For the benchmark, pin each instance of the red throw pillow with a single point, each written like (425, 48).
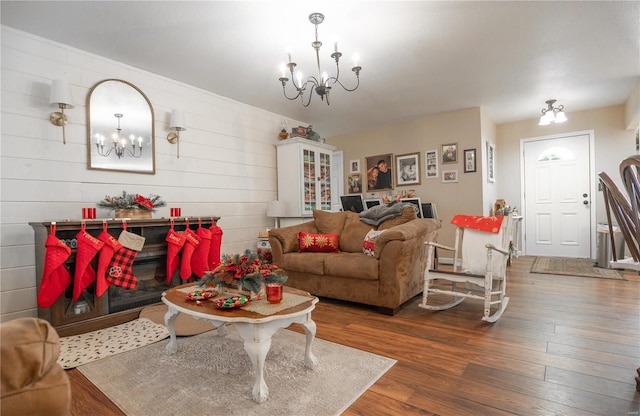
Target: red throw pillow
(318, 243)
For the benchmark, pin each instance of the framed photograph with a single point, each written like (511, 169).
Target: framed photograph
(416, 202)
(431, 163)
(449, 153)
(450, 176)
(469, 160)
(408, 169)
(354, 166)
(355, 183)
(372, 202)
(491, 162)
(379, 172)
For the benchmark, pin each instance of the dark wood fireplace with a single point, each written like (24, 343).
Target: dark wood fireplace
(117, 305)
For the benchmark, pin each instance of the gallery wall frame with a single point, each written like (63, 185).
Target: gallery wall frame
(379, 172)
(354, 166)
(450, 176)
(491, 162)
(355, 183)
(408, 169)
(431, 163)
(469, 160)
(449, 153)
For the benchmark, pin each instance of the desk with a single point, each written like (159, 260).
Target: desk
(255, 329)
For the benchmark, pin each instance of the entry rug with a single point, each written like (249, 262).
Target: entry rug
(211, 375)
(573, 267)
(85, 348)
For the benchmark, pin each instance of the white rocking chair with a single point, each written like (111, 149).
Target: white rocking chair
(482, 273)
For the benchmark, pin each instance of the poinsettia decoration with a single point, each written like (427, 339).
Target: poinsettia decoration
(248, 271)
(132, 201)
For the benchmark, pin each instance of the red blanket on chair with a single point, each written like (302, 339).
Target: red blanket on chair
(477, 222)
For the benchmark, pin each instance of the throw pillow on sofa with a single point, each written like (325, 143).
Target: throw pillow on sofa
(369, 243)
(318, 243)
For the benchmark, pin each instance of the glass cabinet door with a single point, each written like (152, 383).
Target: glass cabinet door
(324, 181)
(309, 180)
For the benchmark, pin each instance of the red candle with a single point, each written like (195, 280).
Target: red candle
(176, 212)
(274, 292)
(86, 213)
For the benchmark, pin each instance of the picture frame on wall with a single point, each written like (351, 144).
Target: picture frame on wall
(355, 183)
(379, 172)
(469, 160)
(491, 162)
(449, 153)
(354, 166)
(408, 169)
(431, 163)
(450, 176)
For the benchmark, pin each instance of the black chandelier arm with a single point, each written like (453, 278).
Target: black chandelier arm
(120, 151)
(349, 89)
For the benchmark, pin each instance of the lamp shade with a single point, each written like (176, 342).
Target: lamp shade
(177, 120)
(276, 209)
(561, 117)
(61, 94)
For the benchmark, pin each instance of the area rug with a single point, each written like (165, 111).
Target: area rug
(76, 350)
(573, 267)
(210, 375)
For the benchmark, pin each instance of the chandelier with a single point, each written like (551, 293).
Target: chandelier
(552, 114)
(120, 144)
(322, 83)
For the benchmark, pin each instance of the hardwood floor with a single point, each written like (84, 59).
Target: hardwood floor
(565, 346)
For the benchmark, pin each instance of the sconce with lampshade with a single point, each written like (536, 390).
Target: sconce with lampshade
(178, 124)
(60, 97)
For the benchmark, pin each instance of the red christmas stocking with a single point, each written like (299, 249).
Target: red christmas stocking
(191, 242)
(55, 277)
(200, 258)
(175, 242)
(111, 245)
(120, 269)
(214, 250)
(88, 247)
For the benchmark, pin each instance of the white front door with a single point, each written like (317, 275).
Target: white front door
(557, 196)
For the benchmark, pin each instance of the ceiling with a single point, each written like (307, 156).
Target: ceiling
(418, 57)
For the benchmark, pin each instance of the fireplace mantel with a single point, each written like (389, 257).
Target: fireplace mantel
(117, 305)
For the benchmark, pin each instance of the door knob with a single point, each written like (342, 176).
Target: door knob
(585, 202)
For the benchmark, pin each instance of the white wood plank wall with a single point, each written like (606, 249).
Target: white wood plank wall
(227, 164)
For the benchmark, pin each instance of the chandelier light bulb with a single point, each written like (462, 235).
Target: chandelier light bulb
(552, 114)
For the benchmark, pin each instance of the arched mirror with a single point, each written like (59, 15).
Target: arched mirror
(120, 128)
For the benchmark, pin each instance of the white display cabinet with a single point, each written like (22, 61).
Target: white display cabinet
(304, 176)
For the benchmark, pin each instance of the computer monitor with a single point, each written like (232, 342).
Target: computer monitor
(429, 210)
(352, 203)
(416, 202)
(372, 202)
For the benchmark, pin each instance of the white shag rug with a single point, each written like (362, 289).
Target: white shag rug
(80, 349)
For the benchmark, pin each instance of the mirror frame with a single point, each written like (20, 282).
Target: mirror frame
(114, 166)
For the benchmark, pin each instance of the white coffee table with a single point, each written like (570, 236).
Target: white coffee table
(255, 329)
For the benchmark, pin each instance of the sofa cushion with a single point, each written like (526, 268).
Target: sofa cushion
(329, 222)
(408, 214)
(312, 263)
(288, 236)
(351, 265)
(353, 233)
(318, 243)
(369, 242)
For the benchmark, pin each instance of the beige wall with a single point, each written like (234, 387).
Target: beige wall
(612, 144)
(472, 128)
(418, 135)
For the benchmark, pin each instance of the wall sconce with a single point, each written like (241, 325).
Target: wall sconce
(177, 123)
(60, 97)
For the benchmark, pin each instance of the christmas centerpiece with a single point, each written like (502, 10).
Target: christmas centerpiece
(248, 271)
(129, 205)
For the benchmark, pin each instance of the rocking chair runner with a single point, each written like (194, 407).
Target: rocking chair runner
(482, 274)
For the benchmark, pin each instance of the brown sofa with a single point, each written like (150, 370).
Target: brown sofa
(32, 382)
(386, 280)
